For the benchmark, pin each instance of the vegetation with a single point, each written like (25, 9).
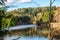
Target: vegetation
(38, 16)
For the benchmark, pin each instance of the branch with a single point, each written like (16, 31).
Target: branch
(53, 2)
(36, 3)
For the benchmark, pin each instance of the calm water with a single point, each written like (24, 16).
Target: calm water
(24, 38)
(7, 37)
(33, 38)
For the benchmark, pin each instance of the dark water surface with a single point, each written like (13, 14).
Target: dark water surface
(24, 38)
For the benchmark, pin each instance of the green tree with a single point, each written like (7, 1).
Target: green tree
(2, 2)
(2, 10)
(45, 16)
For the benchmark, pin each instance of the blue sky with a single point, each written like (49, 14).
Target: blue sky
(29, 3)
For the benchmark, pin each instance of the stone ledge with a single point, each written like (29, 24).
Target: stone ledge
(55, 25)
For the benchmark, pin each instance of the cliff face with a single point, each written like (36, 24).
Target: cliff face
(55, 25)
(56, 18)
(57, 15)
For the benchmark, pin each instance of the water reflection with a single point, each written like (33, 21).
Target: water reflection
(24, 38)
(33, 38)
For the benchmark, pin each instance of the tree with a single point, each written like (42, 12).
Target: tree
(2, 10)
(25, 19)
(2, 2)
(49, 35)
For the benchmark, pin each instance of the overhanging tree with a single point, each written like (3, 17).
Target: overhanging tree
(2, 10)
(51, 2)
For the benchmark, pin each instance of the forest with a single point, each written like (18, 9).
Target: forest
(25, 16)
(38, 16)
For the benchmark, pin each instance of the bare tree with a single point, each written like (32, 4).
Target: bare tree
(49, 35)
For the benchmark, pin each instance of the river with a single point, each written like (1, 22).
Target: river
(13, 37)
(24, 38)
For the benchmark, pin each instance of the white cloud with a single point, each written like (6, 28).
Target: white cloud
(10, 1)
(25, 1)
(15, 2)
